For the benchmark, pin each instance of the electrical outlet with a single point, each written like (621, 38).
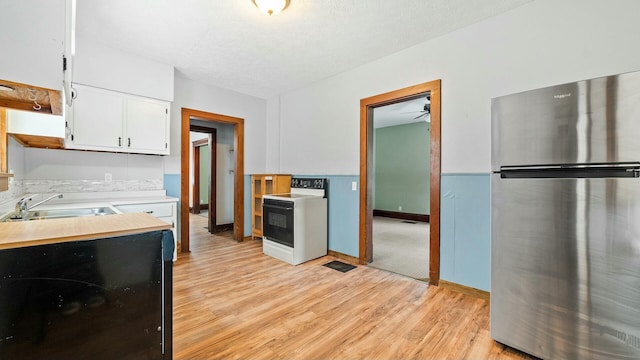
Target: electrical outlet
(354, 186)
(108, 177)
(399, 207)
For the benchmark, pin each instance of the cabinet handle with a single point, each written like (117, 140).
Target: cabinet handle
(129, 142)
(149, 212)
(119, 141)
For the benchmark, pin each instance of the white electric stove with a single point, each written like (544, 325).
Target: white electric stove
(294, 225)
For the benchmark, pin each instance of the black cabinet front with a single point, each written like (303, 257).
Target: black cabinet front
(98, 299)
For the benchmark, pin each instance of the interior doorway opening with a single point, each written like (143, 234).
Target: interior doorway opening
(400, 183)
(202, 199)
(367, 107)
(237, 170)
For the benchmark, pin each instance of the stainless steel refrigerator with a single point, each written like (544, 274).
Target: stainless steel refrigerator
(565, 221)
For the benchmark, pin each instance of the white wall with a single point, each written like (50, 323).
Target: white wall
(32, 37)
(542, 43)
(44, 164)
(105, 67)
(225, 155)
(194, 95)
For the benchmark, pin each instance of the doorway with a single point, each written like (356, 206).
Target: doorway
(238, 171)
(367, 107)
(203, 174)
(400, 185)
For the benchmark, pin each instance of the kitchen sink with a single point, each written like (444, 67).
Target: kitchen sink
(63, 213)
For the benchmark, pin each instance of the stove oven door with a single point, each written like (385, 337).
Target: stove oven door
(277, 223)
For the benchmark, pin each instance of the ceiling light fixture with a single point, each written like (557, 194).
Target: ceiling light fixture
(271, 7)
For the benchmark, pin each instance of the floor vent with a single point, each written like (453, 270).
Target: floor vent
(340, 266)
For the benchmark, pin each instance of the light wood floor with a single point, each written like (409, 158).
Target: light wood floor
(233, 302)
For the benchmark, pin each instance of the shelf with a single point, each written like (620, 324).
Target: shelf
(264, 184)
(45, 142)
(47, 101)
(4, 181)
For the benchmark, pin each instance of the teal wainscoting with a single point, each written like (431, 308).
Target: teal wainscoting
(465, 230)
(172, 185)
(343, 211)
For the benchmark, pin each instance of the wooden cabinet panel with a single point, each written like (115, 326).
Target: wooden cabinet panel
(264, 184)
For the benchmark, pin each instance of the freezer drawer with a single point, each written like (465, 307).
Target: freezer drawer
(565, 267)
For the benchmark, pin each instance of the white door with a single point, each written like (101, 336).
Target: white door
(147, 124)
(97, 119)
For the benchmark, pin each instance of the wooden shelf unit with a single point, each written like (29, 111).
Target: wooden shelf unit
(263, 184)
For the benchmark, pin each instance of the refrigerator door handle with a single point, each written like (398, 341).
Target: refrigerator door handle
(572, 173)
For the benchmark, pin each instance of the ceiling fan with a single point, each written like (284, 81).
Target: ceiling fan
(426, 110)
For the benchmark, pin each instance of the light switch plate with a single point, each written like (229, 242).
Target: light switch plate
(108, 177)
(354, 185)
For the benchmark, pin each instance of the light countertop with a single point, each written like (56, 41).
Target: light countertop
(40, 232)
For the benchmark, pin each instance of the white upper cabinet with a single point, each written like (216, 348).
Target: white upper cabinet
(147, 125)
(97, 120)
(32, 34)
(107, 120)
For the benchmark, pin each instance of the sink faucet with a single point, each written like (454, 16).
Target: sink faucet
(22, 205)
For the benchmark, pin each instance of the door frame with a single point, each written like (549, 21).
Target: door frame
(366, 170)
(238, 172)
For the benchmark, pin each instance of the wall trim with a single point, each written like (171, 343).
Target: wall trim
(401, 215)
(467, 290)
(221, 228)
(348, 258)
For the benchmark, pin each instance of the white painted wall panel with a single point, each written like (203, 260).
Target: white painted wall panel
(194, 95)
(542, 43)
(44, 164)
(109, 68)
(32, 34)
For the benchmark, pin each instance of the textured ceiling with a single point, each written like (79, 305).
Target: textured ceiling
(231, 44)
(400, 113)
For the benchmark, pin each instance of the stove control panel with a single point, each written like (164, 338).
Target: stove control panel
(309, 183)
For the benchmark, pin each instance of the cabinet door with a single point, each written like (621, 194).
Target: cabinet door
(97, 120)
(147, 125)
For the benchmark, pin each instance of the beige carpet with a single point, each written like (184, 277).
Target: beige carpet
(401, 247)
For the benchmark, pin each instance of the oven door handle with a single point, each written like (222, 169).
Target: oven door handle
(277, 207)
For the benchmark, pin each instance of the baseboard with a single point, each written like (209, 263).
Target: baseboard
(401, 215)
(348, 258)
(467, 290)
(223, 227)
